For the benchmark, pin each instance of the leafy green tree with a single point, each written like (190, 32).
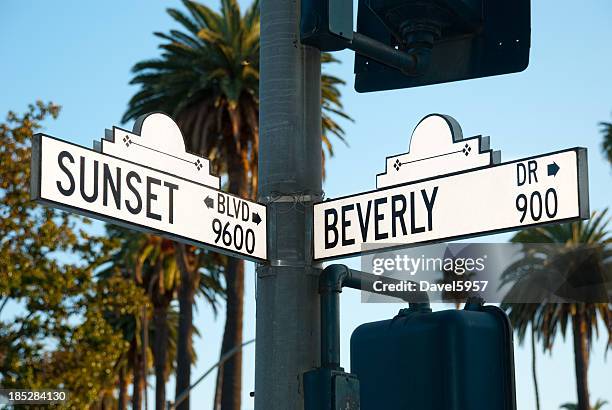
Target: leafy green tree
(584, 252)
(58, 336)
(207, 78)
(606, 144)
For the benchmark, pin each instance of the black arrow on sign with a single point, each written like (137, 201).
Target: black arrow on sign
(210, 203)
(553, 169)
(256, 218)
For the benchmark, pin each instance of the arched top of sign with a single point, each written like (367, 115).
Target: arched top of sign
(156, 141)
(437, 147)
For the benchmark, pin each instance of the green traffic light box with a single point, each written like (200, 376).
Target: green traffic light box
(445, 360)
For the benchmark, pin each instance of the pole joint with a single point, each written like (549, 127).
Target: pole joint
(412, 62)
(333, 278)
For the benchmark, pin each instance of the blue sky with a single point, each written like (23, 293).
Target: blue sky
(79, 54)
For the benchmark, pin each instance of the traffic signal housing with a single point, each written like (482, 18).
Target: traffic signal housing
(446, 360)
(468, 39)
(411, 43)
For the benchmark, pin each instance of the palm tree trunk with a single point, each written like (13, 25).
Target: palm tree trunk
(533, 368)
(217, 402)
(581, 357)
(123, 386)
(184, 358)
(137, 379)
(231, 378)
(144, 364)
(230, 374)
(160, 349)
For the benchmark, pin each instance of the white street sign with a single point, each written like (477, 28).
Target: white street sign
(145, 180)
(447, 187)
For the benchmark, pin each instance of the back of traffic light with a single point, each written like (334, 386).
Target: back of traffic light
(419, 360)
(445, 360)
(411, 43)
(329, 387)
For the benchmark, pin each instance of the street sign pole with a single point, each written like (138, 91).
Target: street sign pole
(287, 320)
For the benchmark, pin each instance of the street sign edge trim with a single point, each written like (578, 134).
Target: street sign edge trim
(575, 149)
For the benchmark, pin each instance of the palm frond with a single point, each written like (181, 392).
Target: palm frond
(569, 248)
(606, 144)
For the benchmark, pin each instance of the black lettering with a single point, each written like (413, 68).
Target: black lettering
(331, 227)
(93, 196)
(171, 187)
(364, 222)
(429, 203)
(115, 188)
(245, 211)
(378, 217)
(229, 209)
(550, 210)
(221, 203)
(236, 207)
(413, 227)
(152, 197)
(398, 214)
(60, 161)
(345, 224)
(521, 174)
(532, 166)
(128, 180)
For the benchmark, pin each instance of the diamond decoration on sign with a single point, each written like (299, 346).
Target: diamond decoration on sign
(397, 165)
(466, 150)
(198, 164)
(127, 140)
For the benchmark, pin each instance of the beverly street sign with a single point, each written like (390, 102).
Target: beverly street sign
(145, 180)
(447, 187)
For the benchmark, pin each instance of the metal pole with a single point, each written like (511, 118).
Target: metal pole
(330, 329)
(287, 322)
(332, 280)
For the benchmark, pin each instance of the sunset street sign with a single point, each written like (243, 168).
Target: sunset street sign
(447, 187)
(145, 180)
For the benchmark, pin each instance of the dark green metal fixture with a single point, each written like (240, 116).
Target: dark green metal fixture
(410, 43)
(419, 360)
(445, 360)
(329, 387)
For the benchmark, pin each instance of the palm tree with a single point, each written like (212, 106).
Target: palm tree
(122, 266)
(523, 317)
(583, 251)
(148, 261)
(452, 275)
(597, 406)
(534, 368)
(155, 269)
(606, 144)
(161, 279)
(207, 78)
(200, 273)
(125, 364)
